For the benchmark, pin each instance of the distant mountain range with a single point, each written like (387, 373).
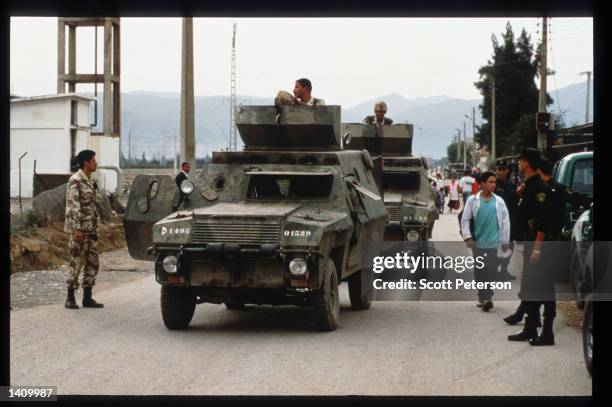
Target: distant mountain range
(150, 120)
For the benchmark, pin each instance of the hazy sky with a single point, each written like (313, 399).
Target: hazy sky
(349, 60)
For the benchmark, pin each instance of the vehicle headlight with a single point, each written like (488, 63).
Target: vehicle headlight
(298, 267)
(412, 235)
(170, 264)
(187, 187)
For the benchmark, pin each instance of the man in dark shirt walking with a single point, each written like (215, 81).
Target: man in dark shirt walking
(181, 176)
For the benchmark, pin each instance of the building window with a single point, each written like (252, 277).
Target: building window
(73, 112)
(73, 134)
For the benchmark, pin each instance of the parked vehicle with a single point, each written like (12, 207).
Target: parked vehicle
(587, 336)
(575, 171)
(581, 264)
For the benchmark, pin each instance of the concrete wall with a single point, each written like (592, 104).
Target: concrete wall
(107, 153)
(38, 128)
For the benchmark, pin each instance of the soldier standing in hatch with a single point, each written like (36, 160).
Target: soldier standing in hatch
(380, 109)
(507, 191)
(302, 92)
(82, 224)
(537, 287)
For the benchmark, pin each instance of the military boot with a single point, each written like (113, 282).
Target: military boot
(70, 301)
(89, 302)
(517, 316)
(529, 331)
(547, 337)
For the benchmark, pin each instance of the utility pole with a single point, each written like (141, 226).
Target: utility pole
(174, 150)
(187, 100)
(130, 147)
(588, 95)
(493, 118)
(543, 72)
(474, 136)
(233, 145)
(464, 146)
(458, 145)
(162, 135)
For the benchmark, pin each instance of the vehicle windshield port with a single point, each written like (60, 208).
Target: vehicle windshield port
(290, 187)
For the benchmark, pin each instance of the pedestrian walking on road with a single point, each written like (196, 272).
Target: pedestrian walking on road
(453, 194)
(82, 224)
(466, 183)
(489, 236)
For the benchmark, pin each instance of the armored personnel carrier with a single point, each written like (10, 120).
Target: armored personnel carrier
(407, 193)
(282, 222)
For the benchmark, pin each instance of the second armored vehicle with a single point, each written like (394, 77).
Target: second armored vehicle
(407, 193)
(283, 222)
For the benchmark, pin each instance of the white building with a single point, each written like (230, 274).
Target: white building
(51, 129)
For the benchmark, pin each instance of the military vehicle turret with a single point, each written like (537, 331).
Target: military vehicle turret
(407, 193)
(282, 222)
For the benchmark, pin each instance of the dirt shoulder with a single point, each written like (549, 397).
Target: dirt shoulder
(46, 247)
(41, 287)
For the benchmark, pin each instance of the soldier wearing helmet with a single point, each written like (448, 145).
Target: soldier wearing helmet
(380, 109)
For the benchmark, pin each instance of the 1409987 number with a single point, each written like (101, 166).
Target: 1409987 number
(30, 392)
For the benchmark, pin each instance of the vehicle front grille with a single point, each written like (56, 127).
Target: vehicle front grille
(394, 213)
(236, 231)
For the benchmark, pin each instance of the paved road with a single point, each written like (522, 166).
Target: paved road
(395, 348)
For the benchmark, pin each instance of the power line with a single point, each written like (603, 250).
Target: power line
(232, 132)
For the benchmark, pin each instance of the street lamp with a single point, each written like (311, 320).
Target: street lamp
(473, 120)
(459, 147)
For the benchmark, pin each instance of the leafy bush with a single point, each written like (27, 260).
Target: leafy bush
(32, 218)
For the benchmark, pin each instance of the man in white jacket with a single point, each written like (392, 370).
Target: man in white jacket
(466, 182)
(485, 227)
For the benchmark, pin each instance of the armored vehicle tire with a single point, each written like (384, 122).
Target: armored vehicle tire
(325, 301)
(234, 305)
(177, 306)
(360, 291)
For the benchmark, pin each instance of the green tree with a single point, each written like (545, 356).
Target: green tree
(452, 154)
(513, 69)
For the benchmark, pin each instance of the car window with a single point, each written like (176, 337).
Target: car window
(555, 172)
(582, 180)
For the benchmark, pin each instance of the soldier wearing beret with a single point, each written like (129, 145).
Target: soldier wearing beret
(82, 224)
(506, 189)
(535, 226)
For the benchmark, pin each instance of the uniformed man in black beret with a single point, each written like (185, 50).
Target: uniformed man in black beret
(507, 191)
(535, 226)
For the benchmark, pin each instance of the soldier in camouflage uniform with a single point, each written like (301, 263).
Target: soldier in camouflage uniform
(82, 225)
